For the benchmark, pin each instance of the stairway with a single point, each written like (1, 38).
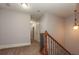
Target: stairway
(49, 46)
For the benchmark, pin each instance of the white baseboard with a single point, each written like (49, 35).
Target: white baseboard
(14, 45)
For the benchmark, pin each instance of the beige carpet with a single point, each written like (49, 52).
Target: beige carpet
(33, 49)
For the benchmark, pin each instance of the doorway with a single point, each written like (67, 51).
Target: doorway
(34, 31)
(32, 34)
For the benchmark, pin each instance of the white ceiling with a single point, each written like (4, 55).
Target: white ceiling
(59, 9)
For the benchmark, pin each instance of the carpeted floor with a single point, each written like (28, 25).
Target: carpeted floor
(33, 49)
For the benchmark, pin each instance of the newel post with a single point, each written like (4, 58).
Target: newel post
(45, 45)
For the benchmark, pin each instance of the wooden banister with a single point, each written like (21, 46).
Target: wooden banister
(58, 43)
(45, 43)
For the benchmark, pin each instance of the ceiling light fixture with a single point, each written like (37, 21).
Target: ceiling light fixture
(25, 5)
(76, 26)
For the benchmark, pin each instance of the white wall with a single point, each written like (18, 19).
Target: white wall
(71, 36)
(14, 28)
(54, 25)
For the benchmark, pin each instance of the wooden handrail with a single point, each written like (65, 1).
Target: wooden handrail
(47, 34)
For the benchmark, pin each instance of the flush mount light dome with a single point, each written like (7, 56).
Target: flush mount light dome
(25, 5)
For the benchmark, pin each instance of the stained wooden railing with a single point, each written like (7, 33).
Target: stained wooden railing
(52, 47)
